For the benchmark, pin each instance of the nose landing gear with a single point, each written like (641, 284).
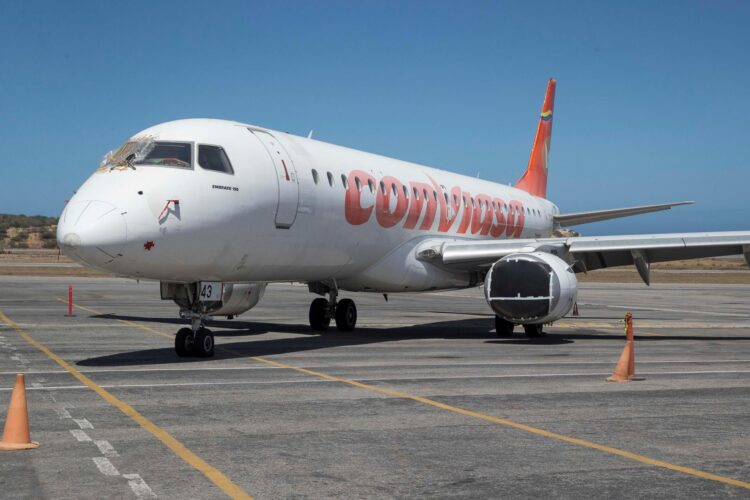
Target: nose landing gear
(197, 341)
(323, 310)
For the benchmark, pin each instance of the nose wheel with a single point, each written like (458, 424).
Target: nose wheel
(199, 344)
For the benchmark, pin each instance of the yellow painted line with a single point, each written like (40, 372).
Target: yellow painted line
(506, 422)
(469, 413)
(214, 475)
(123, 321)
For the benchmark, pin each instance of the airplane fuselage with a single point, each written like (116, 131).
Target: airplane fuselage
(293, 209)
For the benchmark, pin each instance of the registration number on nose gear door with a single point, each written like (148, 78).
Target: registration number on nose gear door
(210, 291)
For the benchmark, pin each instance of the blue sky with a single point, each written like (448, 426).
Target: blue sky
(652, 97)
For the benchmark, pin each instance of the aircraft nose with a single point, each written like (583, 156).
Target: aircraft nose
(92, 231)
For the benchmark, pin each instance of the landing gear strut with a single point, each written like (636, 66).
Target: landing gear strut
(503, 327)
(533, 330)
(323, 310)
(196, 341)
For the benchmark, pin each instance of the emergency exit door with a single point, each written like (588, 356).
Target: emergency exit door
(286, 177)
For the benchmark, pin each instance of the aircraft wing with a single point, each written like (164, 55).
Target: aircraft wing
(573, 219)
(587, 253)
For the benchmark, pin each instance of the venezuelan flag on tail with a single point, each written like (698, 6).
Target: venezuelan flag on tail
(534, 180)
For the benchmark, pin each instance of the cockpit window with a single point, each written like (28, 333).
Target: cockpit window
(214, 158)
(172, 154)
(146, 151)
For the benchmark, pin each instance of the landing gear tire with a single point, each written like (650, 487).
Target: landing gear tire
(183, 342)
(203, 346)
(503, 327)
(533, 330)
(346, 315)
(319, 317)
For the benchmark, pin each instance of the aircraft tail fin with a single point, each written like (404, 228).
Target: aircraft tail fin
(534, 180)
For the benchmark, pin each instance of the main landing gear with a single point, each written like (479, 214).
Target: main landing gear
(504, 328)
(322, 310)
(197, 341)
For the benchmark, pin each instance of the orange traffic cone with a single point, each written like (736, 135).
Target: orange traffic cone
(625, 368)
(16, 434)
(575, 309)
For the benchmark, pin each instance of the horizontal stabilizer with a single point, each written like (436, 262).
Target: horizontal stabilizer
(574, 219)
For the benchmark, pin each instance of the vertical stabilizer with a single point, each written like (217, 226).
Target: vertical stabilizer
(534, 180)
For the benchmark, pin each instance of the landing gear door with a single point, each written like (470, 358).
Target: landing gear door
(286, 177)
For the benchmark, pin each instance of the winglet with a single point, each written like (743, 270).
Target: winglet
(534, 180)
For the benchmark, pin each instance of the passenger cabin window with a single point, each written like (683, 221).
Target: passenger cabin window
(168, 154)
(330, 179)
(315, 176)
(214, 158)
(344, 182)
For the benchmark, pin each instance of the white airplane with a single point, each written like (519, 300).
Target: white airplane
(216, 209)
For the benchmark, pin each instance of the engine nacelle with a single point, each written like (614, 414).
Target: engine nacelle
(238, 298)
(531, 288)
(235, 299)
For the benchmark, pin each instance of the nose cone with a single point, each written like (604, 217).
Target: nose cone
(92, 231)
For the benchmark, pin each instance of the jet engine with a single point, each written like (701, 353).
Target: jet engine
(531, 288)
(236, 298)
(239, 297)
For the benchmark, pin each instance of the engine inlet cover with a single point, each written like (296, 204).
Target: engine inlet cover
(531, 288)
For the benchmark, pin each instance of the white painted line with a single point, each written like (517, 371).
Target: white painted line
(661, 309)
(409, 364)
(139, 486)
(76, 326)
(80, 435)
(62, 413)
(83, 423)
(105, 466)
(406, 376)
(106, 448)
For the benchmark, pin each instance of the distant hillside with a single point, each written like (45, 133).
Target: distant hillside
(27, 231)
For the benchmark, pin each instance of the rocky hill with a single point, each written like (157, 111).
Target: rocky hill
(27, 231)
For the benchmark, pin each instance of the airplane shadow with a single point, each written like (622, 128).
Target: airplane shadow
(307, 340)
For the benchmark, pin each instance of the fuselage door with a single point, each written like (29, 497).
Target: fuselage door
(286, 178)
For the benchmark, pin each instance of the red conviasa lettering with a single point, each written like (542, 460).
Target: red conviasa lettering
(420, 196)
(354, 212)
(516, 220)
(390, 186)
(498, 229)
(465, 198)
(481, 219)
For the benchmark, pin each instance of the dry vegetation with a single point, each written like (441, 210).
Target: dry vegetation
(24, 231)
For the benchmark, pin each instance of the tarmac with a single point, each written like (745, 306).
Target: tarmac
(421, 401)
